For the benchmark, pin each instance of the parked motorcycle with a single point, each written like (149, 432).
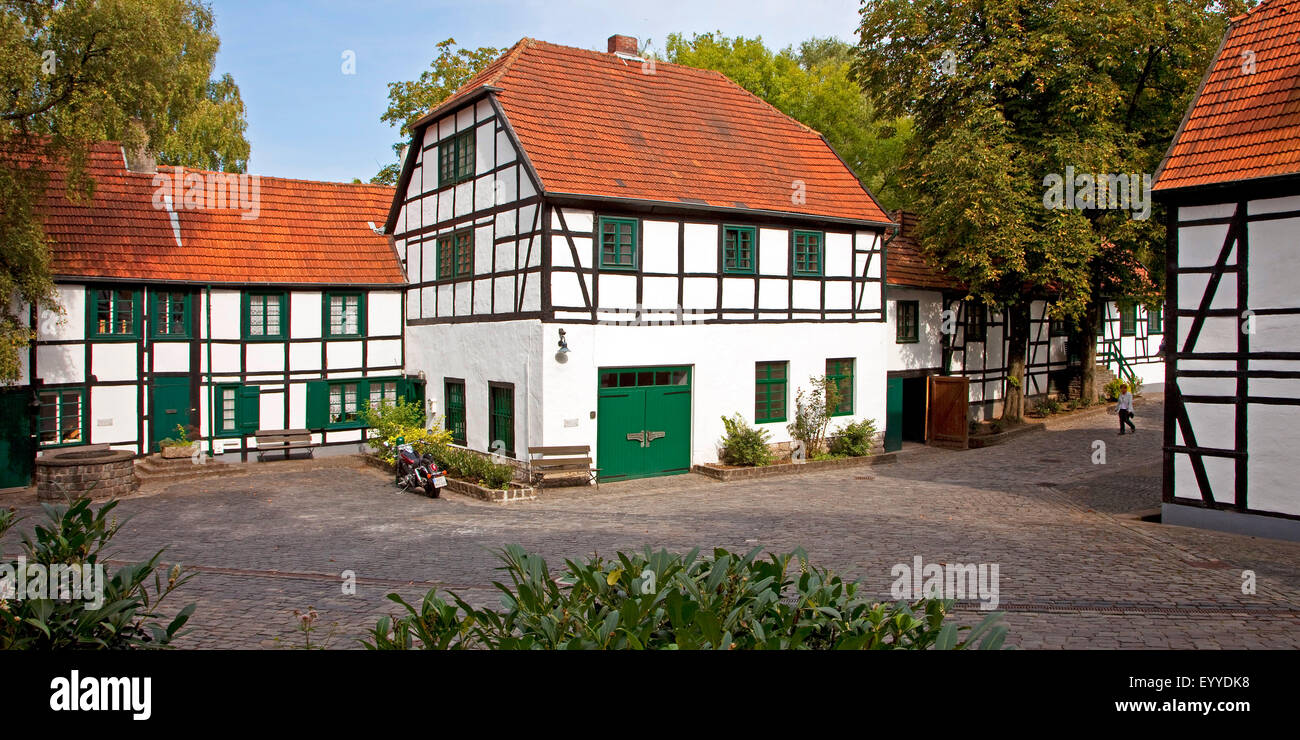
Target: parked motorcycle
(416, 472)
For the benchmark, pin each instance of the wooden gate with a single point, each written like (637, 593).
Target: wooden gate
(949, 408)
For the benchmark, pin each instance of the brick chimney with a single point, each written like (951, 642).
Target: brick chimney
(622, 45)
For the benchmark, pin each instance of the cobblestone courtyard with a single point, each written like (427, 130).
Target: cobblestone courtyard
(1078, 568)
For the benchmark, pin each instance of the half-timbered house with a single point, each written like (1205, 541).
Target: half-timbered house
(219, 302)
(615, 252)
(1231, 185)
(936, 331)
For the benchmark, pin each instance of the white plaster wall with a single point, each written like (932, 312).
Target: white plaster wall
(479, 353)
(68, 325)
(225, 315)
(305, 314)
(304, 356)
(60, 363)
(113, 413)
(384, 353)
(265, 357)
(112, 361)
(928, 351)
(170, 357)
(343, 355)
(722, 379)
(1271, 475)
(384, 313)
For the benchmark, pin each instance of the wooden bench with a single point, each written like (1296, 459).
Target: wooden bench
(544, 461)
(274, 440)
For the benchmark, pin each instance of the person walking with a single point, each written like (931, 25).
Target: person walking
(1125, 408)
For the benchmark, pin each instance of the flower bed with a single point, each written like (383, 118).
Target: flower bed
(730, 472)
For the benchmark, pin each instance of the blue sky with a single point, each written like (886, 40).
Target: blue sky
(306, 119)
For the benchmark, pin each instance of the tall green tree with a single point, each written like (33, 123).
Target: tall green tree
(813, 85)
(1005, 94)
(81, 71)
(409, 100)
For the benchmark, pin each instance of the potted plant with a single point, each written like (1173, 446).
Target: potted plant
(182, 445)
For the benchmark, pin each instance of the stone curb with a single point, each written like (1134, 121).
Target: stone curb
(812, 466)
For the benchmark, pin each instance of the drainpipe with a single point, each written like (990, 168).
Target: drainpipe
(207, 315)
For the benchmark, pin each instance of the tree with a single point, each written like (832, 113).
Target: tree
(1005, 95)
(813, 86)
(81, 71)
(407, 101)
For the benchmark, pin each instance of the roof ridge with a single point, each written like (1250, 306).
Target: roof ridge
(1251, 11)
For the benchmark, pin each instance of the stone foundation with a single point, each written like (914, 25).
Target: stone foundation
(77, 472)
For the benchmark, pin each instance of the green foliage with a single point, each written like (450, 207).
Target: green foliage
(812, 414)
(409, 100)
(854, 439)
(472, 467)
(1112, 389)
(129, 614)
(813, 86)
(661, 600)
(743, 444)
(1031, 88)
(402, 419)
(81, 71)
(1048, 405)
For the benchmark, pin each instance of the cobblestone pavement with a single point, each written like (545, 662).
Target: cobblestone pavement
(1078, 567)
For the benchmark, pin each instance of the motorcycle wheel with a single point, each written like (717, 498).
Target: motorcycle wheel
(431, 489)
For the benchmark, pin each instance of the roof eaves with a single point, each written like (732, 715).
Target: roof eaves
(680, 205)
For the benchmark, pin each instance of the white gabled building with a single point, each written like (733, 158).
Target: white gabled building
(220, 302)
(696, 252)
(1231, 186)
(922, 301)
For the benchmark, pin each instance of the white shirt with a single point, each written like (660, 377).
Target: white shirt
(1126, 402)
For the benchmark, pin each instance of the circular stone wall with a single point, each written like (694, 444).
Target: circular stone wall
(74, 473)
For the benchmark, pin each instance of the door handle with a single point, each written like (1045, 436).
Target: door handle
(644, 437)
(636, 437)
(652, 436)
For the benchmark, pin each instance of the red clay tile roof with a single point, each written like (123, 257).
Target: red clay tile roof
(306, 233)
(904, 264)
(595, 124)
(1244, 125)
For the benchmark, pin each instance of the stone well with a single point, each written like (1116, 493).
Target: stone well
(76, 472)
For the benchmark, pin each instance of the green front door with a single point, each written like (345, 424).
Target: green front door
(16, 453)
(169, 405)
(643, 425)
(893, 414)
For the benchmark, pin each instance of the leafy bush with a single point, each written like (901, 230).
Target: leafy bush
(1112, 388)
(743, 444)
(470, 466)
(127, 617)
(403, 419)
(661, 600)
(855, 439)
(812, 414)
(1048, 406)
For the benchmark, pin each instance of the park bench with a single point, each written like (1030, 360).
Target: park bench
(274, 440)
(544, 461)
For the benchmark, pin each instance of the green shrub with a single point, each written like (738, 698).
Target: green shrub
(470, 466)
(1048, 406)
(128, 616)
(812, 414)
(855, 439)
(660, 600)
(1112, 388)
(743, 444)
(401, 420)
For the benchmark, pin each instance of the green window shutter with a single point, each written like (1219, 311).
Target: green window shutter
(318, 404)
(738, 249)
(454, 414)
(840, 372)
(619, 242)
(807, 253)
(249, 408)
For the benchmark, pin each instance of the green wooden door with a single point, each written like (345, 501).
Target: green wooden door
(643, 422)
(169, 406)
(893, 414)
(16, 453)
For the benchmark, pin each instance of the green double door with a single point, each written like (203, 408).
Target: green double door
(643, 422)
